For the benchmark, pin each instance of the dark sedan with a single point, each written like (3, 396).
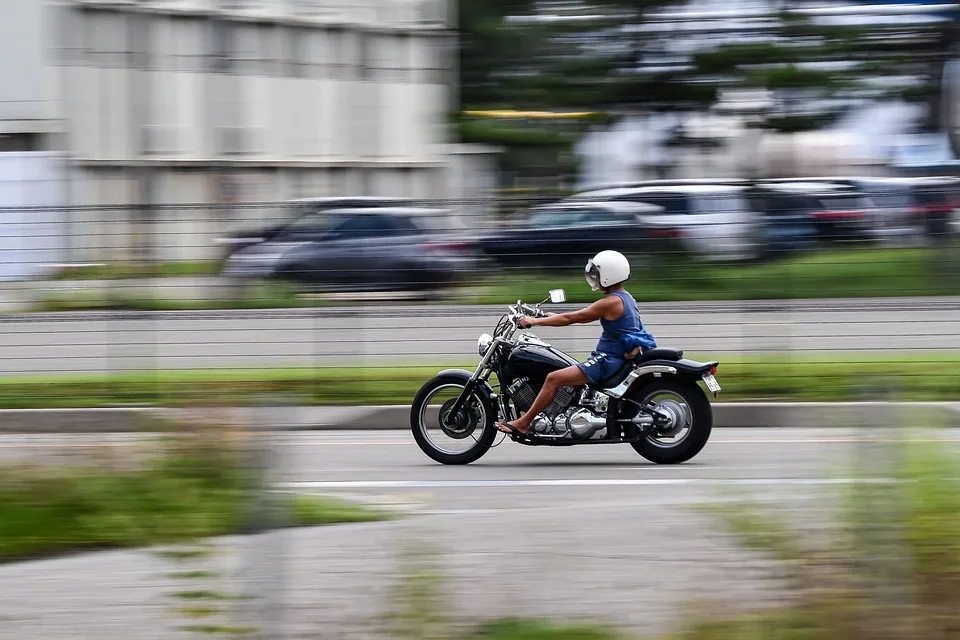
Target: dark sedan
(372, 250)
(302, 213)
(798, 213)
(563, 234)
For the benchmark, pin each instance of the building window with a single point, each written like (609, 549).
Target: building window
(188, 44)
(397, 64)
(71, 45)
(19, 142)
(297, 58)
(254, 51)
(222, 46)
(344, 53)
(366, 60)
(106, 38)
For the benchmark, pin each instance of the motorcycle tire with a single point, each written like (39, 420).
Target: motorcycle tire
(700, 427)
(483, 442)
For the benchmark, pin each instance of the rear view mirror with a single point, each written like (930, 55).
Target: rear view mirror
(557, 296)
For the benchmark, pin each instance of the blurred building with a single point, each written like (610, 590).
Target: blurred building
(188, 101)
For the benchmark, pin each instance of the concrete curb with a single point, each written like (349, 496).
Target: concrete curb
(397, 417)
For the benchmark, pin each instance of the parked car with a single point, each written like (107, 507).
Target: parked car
(905, 207)
(363, 249)
(567, 233)
(712, 219)
(302, 212)
(799, 211)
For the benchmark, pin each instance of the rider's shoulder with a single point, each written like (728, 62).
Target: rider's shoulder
(613, 303)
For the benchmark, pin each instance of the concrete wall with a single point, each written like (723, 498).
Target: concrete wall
(31, 240)
(27, 81)
(284, 92)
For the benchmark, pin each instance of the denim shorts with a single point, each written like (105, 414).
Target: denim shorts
(600, 366)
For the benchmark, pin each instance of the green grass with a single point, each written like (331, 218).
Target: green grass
(120, 271)
(192, 487)
(192, 575)
(835, 273)
(887, 567)
(530, 629)
(219, 629)
(854, 273)
(882, 561)
(828, 377)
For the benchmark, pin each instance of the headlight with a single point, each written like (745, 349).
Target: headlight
(484, 342)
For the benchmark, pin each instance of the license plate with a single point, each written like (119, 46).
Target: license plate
(712, 383)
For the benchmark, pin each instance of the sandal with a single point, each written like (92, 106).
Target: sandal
(506, 427)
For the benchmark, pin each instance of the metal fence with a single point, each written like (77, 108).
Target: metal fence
(371, 287)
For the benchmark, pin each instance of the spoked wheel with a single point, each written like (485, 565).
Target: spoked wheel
(688, 425)
(452, 439)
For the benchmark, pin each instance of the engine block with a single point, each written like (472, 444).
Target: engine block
(523, 394)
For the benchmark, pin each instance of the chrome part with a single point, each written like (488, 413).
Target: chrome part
(484, 342)
(584, 423)
(542, 424)
(595, 399)
(619, 390)
(531, 338)
(464, 423)
(680, 418)
(642, 420)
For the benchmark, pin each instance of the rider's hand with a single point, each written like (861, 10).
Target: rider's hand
(633, 354)
(526, 322)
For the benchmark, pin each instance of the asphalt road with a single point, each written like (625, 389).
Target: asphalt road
(589, 533)
(388, 335)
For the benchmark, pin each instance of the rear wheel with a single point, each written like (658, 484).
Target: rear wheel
(467, 436)
(691, 421)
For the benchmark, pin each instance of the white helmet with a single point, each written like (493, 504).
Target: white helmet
(607, 269)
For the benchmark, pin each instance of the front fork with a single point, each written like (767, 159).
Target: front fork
(471, 385)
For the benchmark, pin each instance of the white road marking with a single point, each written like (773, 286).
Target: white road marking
(584, 482)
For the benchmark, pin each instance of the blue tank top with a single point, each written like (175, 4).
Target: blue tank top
(611, 340)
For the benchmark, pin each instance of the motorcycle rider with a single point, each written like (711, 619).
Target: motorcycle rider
(623, 337)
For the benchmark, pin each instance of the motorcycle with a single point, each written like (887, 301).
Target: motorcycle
(654, 402)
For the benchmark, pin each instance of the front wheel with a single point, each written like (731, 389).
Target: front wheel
(691, 420)
(468, 435)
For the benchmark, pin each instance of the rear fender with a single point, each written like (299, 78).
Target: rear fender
(683, 368)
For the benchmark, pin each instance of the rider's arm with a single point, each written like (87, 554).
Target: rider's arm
(594, 312)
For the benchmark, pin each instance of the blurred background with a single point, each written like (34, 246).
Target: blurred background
(258, 226)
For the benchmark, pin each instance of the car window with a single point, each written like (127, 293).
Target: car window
(673, 204)
(405, 225)
(368, 226)
(932, 196)
(786, 204)
(887, 198)
(555, 218)
(718, 203)
(309, 220)
(605, 217)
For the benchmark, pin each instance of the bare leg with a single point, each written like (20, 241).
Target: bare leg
(572, 376)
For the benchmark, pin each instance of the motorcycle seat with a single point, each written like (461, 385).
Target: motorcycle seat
(653, 354)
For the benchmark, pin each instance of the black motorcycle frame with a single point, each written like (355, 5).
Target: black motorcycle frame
(618, 430)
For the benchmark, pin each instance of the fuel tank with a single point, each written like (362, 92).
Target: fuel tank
(534, 362)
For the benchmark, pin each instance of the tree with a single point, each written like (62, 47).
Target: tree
(623, 56)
